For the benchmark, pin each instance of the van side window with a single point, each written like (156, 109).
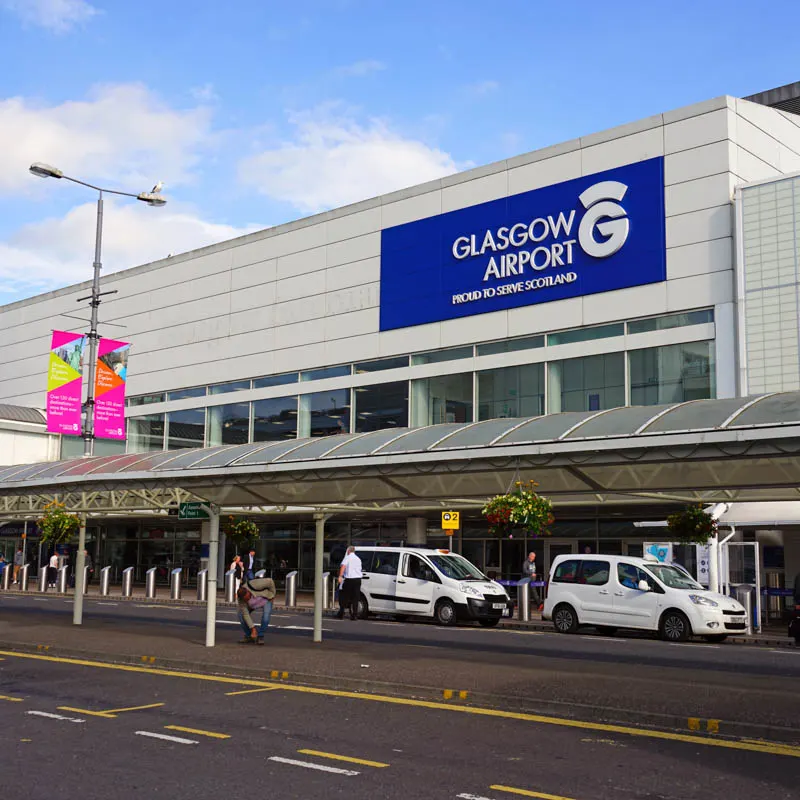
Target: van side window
(367, 557)
(594, 573)
(415, 567)
(629, 576)
(385, 563)
(566, 571)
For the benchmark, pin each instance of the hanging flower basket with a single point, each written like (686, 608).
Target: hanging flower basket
(521, 509)
(57, 525)
(243, 531)
(691, 525)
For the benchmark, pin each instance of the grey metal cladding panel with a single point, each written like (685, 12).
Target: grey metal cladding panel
(149, 463)
(697, 415)
(368, 443)
(22, 414)
(481, 434)
(190, 457)
(545, 429)
(619, 422)
(779, 408)
(223, 456)
(269, 454)
(316, 448)
(420, 439)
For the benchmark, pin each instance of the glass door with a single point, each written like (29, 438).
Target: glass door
(555, 548)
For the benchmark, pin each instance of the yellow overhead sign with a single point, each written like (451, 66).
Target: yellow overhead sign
(451, 520)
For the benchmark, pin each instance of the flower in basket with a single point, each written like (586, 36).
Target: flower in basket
(521, 508)
(692, 525)
(57, 525)
(243, 531)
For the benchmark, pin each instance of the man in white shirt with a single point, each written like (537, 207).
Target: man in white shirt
(350, 583)
(53, 574)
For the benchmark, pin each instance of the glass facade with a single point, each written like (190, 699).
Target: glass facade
(437, 356)
(510, 346)
(275, 419)
(324, 413)
(146, 434)
(275, 380)
(587, 334)
(511, 392)
(382, 364)
(671, 321)
(186, 428)
(672, 374)
(447, 398)
(590, 383)
(229, 424)
(182, 394)
(382, 406)
(234, 386)
(325, 372)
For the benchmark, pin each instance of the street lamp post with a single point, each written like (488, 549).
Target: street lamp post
(152, 199)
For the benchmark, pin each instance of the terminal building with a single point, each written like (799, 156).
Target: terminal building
(655, 263)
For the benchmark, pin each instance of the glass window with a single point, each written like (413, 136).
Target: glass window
(224, 388)
(629, 576)
(511, 392)
(275, 380)
(146, 434)
(671, 321)
(229, 424)
(384, 563)
(186, 428)
(275, 419)
(182, 394)
(381, 406)
(594, 573)
(510, 345)
(672, 374)
(437, 356)
(72, 446)
(415, 567)
(324, 413)
(384, 363)
(447, 398)
(586, 334)
(326, 372)
(145, 399)
(591, 383)
(566, 571)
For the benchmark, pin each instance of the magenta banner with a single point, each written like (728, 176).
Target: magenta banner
(109, 389)
(65, 383)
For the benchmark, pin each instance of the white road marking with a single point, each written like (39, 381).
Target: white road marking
(98, 603)
(787, 652)
(467, 796)
(309, 765)
(176, 739)
(39, 599)
(298, 628)
(54, 716)
(227, 622)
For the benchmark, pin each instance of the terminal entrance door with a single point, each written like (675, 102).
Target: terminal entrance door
(556, 547)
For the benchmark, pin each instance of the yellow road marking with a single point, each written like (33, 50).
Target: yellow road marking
(527, 793)
(336, 757)
(773, 748)
(104, 714)
(10, 699)
(197, 732)
(132, 708)
(250, 691)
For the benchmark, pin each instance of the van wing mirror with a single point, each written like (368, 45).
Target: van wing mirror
(644, 586)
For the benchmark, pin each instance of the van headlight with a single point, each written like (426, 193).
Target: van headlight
(467, 589)
(699, 600)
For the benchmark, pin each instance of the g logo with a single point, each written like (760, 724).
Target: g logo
(597, 200)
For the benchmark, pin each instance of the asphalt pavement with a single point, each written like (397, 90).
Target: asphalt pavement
(87, 731)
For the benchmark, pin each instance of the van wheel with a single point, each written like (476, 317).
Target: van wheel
(674, 627)
(565, 620)
(445, 612)
(363, 608)
(716, 637)
(489, 622)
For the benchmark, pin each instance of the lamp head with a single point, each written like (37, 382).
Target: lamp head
(152, 199)
(44, 170)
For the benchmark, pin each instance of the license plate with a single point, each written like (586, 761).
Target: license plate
(498, 605)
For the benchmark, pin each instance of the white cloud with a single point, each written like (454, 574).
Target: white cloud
(482, 88)
(55, 15)
(57, 252)
(360, 68)
(335, 160)
(205, 93)
(122, 134)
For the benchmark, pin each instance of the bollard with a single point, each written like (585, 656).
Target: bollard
(291, 589)
(7, 573)
(86, 571)
(105, 580)
(230, 586)
(127, 581)
(24, 577)
(44, 578)
(326, 591)
(150, 583)
(262, 573)
(202, 585)
(175, 584)
(523, 601)
(61, 581)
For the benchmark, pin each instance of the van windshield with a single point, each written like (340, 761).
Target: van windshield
(674, 578)
(458, 568)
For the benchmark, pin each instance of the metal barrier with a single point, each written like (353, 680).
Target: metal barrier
(202, 585)
(7, 573)
(61, 581)
(24, 577)
(291, 589)
(86, 576)
(175, 584)
(524, 601)
(230, 586)
(105, 581)
(127, 581)
(150, 583)
(744, 594)
(327, 595)
(44, 578)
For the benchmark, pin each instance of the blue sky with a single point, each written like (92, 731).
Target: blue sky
(254, 112)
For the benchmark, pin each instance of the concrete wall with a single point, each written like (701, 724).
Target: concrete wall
(19, 446)
(306, 294)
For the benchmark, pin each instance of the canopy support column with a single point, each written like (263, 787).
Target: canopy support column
(80, 563)
(319, 550)
(213, 558)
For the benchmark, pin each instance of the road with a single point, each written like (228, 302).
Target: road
(90, 732)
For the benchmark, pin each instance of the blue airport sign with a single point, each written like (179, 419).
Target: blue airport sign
(592, 234)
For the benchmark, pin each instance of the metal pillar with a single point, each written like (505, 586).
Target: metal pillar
(175, 584)
(80, 561)
(150, 583)
(202, 585)
(230, 586)
(44, 578)
(61, 581)
(85, 581)
(7, 573)
(326, 591)
(213, 561)
(24, 577)
(105, 580)
(127, 581)
(319, 588)
(291, 589)
(523, 601)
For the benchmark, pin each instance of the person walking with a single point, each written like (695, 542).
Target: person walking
(350, 575)
(238, 571)
(251, 565)
(52, 575)
(529, 577)
(4, 565)
(258, 593)
(19, 560)
(89, 566)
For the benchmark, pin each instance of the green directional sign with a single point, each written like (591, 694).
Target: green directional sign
(192, 511)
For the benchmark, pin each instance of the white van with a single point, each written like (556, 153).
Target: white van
(610, 592)
(407, 581)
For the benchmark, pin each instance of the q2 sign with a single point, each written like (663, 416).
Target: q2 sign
(588, 235)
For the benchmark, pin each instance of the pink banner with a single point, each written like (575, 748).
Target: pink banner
(65, 383)
(109, 389)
